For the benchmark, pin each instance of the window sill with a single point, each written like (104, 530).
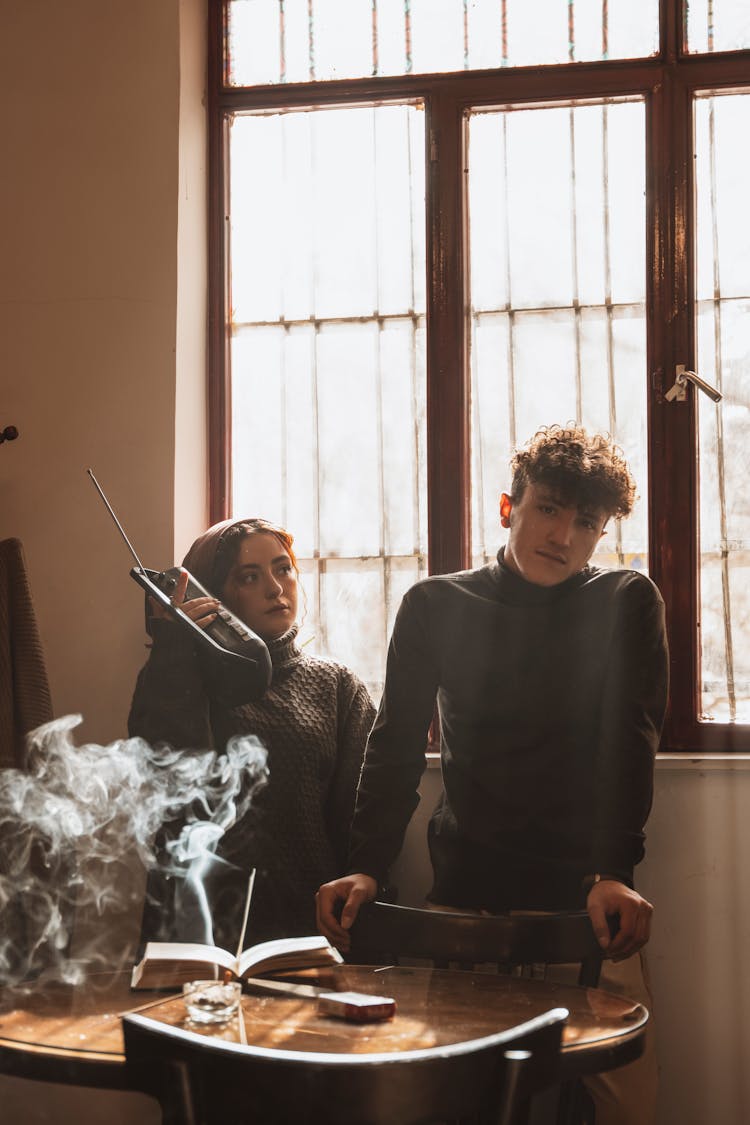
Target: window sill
(668, 761)
(705, 763)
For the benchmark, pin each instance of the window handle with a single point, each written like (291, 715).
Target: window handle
(678, 391)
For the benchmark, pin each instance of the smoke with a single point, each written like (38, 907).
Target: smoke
(78, 828)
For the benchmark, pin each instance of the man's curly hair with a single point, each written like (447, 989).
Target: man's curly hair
(581, 470)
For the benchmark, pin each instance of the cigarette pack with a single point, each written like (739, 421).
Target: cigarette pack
(357, 1007)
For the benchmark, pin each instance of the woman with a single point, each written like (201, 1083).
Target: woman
(313, 722)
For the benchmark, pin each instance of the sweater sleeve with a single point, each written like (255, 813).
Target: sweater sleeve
(395, 756)
(633, 708)
(355, 716)
(169, 703)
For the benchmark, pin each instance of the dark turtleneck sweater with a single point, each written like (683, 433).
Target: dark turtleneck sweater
(313, 722)
(551, 702)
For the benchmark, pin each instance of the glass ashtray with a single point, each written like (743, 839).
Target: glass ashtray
(211, 1001)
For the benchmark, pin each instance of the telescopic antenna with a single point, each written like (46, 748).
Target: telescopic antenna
(114, 517)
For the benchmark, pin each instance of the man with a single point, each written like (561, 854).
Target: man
(550, 677)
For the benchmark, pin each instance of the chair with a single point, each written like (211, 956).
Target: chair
(201, 1080)
(24, 688)
(389, 934)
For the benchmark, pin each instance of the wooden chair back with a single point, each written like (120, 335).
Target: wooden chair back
(389, 934)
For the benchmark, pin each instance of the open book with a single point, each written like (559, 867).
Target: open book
(169, 964)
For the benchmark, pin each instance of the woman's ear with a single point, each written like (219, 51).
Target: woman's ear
(506, 506)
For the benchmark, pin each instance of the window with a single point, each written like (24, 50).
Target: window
(438, 225)
(327, 357)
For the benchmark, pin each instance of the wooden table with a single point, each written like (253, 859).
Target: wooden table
(74, 1034)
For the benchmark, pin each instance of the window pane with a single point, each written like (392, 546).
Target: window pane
(350, 606)
(557, 252)
(718, 25)
(299, 41)
(328, 373)
(334, 225)
(723, 359)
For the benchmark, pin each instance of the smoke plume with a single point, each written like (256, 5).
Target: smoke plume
(77, 829)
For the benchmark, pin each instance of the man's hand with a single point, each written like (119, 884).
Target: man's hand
(353, 891)
(608, 899)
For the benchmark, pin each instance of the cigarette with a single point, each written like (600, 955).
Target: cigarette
(358, 1007)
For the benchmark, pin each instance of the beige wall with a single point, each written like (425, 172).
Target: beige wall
(102, 213)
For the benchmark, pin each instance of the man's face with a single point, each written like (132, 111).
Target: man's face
(548, 543)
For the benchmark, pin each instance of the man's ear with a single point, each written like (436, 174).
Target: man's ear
(506, 507)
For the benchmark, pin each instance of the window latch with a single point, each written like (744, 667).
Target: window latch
(678, 391)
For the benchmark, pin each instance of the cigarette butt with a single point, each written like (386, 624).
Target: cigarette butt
(357, 1007)
(227, 977)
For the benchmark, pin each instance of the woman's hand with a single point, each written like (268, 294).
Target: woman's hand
(200, 610)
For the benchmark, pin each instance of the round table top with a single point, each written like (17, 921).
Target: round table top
(80, 1026)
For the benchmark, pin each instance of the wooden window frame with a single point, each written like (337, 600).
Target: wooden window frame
(667, 83)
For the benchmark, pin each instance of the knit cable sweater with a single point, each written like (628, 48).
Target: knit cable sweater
(313, 721)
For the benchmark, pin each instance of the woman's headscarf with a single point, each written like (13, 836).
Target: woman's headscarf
(201, 557)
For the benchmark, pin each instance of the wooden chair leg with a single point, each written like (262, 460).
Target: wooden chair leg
(176, 1096)
(514, 1104)
(575, 1106)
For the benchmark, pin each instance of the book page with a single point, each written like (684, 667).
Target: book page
(288, 952)
(176, 951)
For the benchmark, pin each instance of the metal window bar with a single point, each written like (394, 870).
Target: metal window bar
(504, 33)
(528, 310)
(226, 47)
(478, 467)
(379, 396)
(605, 29)
(574, 248)
(407, 36)
(284, 452)
(319, 565)
(415, 322)
(417, 549)
(717, 310)
(571, 31)
(282, 42)
(318, 562)
(608, 299)
(282, 388)
(311, 39)
(508, 281)
(466, 34)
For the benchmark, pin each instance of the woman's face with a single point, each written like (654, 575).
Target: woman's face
(261, 587)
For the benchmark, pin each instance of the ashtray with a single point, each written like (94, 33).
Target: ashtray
(211, 1001)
